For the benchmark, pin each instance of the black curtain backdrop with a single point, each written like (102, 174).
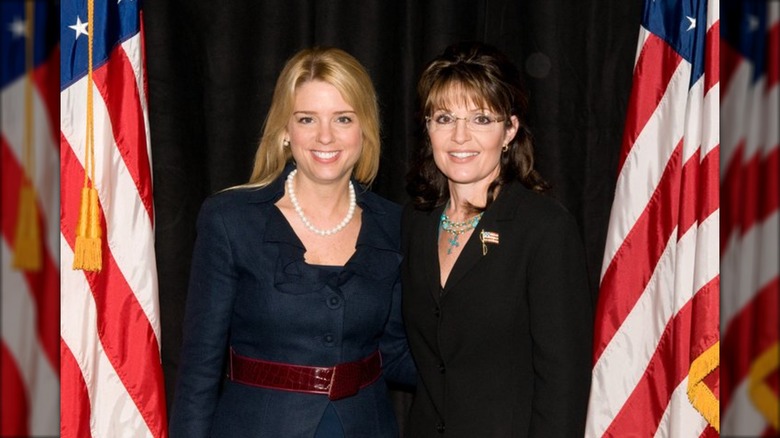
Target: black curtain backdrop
(212, 67)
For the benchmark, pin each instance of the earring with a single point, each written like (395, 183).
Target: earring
(505, 148)
(286, 143)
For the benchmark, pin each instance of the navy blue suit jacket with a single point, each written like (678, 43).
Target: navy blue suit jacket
(251, 290)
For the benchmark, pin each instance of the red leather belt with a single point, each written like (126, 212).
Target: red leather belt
(340, 381)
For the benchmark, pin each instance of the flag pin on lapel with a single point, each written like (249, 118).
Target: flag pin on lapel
(487, 237)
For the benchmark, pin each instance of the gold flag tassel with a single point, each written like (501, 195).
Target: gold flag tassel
(27, 240)
(27, 244)
(88, 253)
(762, 395)
(699, 394)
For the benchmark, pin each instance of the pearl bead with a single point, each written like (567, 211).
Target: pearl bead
(305, 220)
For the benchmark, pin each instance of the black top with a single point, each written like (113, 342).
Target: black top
(504, 348)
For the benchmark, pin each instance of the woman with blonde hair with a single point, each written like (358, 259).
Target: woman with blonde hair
(293, 312)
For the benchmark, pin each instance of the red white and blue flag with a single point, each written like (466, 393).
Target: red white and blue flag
(112, 382)
(656, 344)
(750, 230)
(29, 161)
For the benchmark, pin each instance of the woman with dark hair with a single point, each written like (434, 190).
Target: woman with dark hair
(293, 318)
(496, 304)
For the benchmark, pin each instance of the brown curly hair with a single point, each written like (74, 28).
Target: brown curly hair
(487, 78)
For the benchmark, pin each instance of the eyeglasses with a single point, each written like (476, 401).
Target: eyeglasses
(442, 121)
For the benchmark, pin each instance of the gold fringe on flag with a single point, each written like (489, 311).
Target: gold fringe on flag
(27, 239)
(762, 395)
(699, 393)
(88, 255)
(27, 242)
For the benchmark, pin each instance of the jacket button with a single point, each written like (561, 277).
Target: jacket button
(440, 427)
(437, 312)
(442, 369)
(333, 301)
(328, 339)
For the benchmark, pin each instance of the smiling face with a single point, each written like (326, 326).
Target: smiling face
(464, 155)
(324, 133)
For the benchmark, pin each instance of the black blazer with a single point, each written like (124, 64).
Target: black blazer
(504, 348)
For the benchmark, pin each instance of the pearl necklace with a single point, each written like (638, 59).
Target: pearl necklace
(306, 221)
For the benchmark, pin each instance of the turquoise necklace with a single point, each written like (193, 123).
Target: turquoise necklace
(457, 228)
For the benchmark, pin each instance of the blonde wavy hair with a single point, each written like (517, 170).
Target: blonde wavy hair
(343, 71)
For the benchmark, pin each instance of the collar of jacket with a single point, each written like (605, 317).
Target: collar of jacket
(507, 205)
(379, 231)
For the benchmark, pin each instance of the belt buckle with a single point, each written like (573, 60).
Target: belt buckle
(345, 381)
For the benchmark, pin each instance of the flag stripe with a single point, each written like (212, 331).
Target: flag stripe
(773, 56)
(710, 432)
(666, 370)
(634, 344)
(770, 189)
(125, 331)
(734, 107)
(113, 412)
(75, 420)
(46, 176)
(741, 418)
(646, 163)
(135, 50)
(130, 231)
(39, 375)
(731, 192)
(643, 246)
(751, 186)
(117, 84)
(702, 177)
(730, 62)
(751, 265)
(45, 78)
(647, 240)
(756, 321)
(712, 63)
(750, 191)
(638, 336)
(681, 419)
(43, 286)
(644, 100)
(15, 401)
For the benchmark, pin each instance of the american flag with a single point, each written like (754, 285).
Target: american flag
(112, 383)
(750, 230)
(29, 354)
(656, 343)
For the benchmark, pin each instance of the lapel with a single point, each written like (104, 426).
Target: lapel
(377, 250)
(430, 249)
(501, 211)
(277, 229)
